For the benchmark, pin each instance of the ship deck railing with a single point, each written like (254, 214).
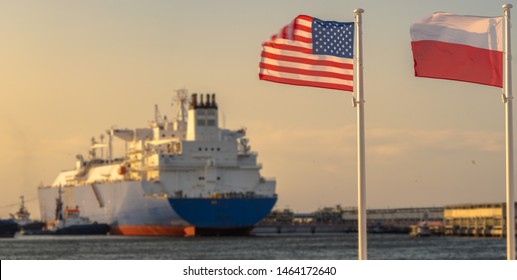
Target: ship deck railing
(228, 195)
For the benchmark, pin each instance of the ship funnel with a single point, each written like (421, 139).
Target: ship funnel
(214, 104)
(193, 101)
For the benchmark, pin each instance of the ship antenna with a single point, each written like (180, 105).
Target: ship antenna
(182, 101)
(102, 146)
(59, 206)
(92, 149)
(157, 115)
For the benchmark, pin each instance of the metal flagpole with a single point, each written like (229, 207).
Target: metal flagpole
(361, 178)
(510, 204)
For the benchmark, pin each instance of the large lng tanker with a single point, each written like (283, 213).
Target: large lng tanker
(177, 178)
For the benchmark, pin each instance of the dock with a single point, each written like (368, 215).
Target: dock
(477, 220)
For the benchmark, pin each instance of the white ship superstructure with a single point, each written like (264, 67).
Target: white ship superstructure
(207, 162)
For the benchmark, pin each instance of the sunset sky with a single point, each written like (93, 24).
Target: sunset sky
(69, 70)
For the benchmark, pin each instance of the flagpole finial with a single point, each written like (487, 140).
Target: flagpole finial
(507, 6)
(360, 11)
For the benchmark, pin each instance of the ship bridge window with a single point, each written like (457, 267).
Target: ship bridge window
(210, 122)
(201, 122)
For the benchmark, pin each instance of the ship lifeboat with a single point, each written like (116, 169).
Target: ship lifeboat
(122, 170)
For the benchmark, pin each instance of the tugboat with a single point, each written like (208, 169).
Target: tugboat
(70, 222)
(22, 218)
(8, 228)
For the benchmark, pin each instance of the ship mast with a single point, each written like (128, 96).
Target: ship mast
(59, 206)
(182, 102)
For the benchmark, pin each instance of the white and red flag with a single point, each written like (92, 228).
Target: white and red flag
(461, 48)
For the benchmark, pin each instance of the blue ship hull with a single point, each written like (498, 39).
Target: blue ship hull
(223, 216)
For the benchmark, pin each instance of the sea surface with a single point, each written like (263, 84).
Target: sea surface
(336, 246)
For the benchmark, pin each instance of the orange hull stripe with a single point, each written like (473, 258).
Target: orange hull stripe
(153, 230)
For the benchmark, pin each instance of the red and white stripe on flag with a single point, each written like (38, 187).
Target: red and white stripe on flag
(310, 52)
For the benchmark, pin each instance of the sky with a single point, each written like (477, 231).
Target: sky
(69, 70)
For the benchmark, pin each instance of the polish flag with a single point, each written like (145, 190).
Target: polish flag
(461, 48)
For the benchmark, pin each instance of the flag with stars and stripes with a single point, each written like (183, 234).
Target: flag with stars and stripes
(310, 52)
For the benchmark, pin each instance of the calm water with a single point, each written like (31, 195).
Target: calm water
(262, 247)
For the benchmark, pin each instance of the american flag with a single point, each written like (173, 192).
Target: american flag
(310, 52)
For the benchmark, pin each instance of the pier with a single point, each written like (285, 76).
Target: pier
(399, 220)
(478, 220)
(340, 219)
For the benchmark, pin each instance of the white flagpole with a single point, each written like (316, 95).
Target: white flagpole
(510, 201)
(361, 177)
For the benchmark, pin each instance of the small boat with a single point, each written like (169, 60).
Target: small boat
(73, 224)
(420, 230)
(70, 222)
(8, 228)
(22, 218)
